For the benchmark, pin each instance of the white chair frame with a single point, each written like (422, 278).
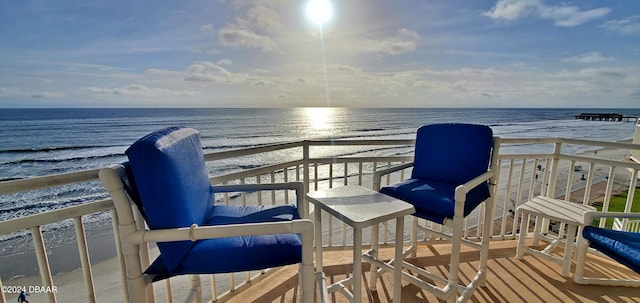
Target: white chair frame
(451, 283)
(134, 236)
(583, 248)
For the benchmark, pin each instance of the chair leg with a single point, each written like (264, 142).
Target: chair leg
(136, 285)
(568, 249)
(414, 237)
(581, 256)
(306, 266)
(454, 266)
(487, 230)
(196, 285)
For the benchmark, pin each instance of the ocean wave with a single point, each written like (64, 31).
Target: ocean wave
(59, 160)
(53, 148)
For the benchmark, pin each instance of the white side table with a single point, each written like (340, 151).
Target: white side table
(541, 207)
(360, 207)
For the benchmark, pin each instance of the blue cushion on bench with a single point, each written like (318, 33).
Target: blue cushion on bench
(622, 246)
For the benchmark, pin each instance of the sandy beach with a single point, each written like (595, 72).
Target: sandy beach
(107, 278)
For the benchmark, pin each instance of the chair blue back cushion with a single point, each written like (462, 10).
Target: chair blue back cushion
(170, 177)
(622, 246)
(173, 184)
(446, 156)
(452, 153)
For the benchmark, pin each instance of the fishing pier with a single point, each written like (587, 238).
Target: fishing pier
(605, 117)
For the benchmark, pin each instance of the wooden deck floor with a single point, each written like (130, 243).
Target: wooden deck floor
(509, 279)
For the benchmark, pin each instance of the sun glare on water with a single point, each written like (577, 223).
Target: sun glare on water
(320, 118)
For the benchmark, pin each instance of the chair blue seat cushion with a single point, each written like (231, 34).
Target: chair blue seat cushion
(622, 246)
(238, 253)
(434, 200)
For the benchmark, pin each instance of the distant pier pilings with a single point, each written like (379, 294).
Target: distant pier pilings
(605, 117)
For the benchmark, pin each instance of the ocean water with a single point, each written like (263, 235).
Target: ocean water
(36, 142)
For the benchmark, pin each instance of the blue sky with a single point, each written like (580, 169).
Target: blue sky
(264, 53)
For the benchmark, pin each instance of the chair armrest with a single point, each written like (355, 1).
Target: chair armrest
(590, 215)
(463, 189)
(297, 186)
(460, 195)
(377, 176)
(195, 232)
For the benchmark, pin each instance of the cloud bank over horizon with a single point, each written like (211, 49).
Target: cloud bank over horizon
(265, 53)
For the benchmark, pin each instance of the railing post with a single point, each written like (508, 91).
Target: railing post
(83, 251)
(555, 163)
(305, 157)
(3, 299)
(632, 186)
(43, 261)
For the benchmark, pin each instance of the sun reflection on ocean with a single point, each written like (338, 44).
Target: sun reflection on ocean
(320, 118)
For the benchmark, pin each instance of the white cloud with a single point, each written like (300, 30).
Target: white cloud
(404, 41)
(6, 92)
(139, 91)
(563, 16)
(593, 57)
(46, 95)
(253, 30)
(16, 92)
(264, 18)
(263, 83)
(227, 62)
(283, 96)
(567, 16)
(512, 9)
(232, 36)
(212, 72)
(207, 29)
(348, 69)
(629, 25)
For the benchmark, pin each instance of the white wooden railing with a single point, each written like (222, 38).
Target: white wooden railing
(632, 225)
(316, 163)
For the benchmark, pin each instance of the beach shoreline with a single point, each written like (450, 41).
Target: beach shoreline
(63, 257)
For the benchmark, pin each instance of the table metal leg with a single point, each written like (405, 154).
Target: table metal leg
(397, 262)
(318, 240)
(357, 265)
(537, 229)
(373, 272)
(524, 226)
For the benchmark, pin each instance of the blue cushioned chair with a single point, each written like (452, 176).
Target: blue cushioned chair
(452, 175)
(621, 246)
(167, 180)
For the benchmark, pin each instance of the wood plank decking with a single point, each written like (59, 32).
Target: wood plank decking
(509, 279)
